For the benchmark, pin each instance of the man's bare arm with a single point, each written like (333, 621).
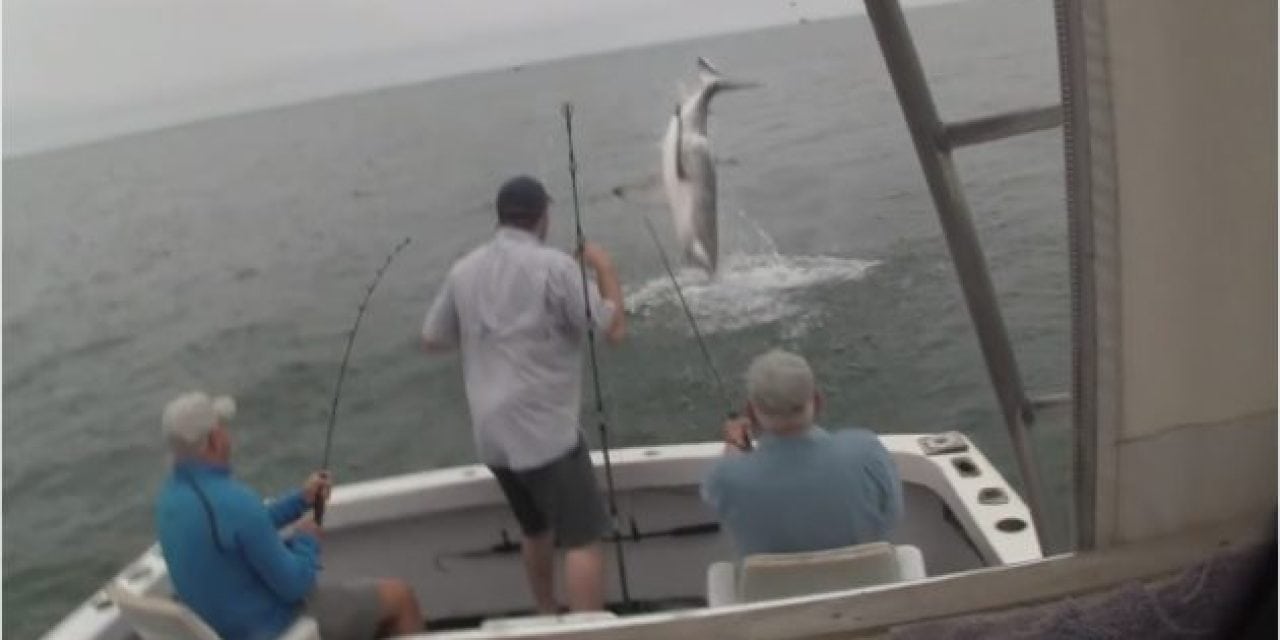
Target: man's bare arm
(440, 331)
(610, 289)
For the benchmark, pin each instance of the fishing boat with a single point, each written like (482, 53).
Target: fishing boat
(1169, 128)
(450, 533)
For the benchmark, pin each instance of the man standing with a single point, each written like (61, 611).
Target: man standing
(226, 559)
(802, 488)
(518, 311)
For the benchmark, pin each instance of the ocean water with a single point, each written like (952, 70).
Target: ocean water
(230, 255)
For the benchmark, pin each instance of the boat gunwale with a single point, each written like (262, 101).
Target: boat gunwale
(681, 465)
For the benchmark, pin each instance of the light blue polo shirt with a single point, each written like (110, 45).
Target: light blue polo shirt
(808, 492)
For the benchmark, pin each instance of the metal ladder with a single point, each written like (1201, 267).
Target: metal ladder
(934, 141)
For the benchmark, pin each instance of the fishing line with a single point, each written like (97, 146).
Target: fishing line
(342, 369)
(595, 366)
(730, 412)
(693, 323)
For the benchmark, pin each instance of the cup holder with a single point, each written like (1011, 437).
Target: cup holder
(966, 467)
(1011, 525)
(993, 495)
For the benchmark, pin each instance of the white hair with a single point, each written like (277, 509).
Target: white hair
(190, 418)
(780, 386)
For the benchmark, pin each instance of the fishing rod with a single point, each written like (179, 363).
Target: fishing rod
(342, 369)
(567, 109)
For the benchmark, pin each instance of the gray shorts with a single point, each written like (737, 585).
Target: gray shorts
(561, 496)
(345, 610)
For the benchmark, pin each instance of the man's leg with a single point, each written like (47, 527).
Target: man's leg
(348, 609)
(539, 553)
(399, 606)
(579, 519)
(584, 577)
(538, 544)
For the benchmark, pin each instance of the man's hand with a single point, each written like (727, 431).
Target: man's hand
(316, 487)
(595, 257)
(307, 525)
(737, 433)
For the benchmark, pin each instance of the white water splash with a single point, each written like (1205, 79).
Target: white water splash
(754, 286)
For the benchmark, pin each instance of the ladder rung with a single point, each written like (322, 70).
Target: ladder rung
(1048, 400)
(1004, 125)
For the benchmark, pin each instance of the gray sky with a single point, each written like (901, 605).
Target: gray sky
(76, 70)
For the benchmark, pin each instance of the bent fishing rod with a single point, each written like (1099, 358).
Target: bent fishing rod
(342, 370)
(567, 109)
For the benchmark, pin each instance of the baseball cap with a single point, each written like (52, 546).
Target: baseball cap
(522, 195)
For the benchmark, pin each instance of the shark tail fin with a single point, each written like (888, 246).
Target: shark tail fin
(706, 72)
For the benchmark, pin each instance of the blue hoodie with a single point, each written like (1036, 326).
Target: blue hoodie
(226, 559)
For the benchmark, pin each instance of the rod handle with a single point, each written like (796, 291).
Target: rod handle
(734, 415)
(322, 501)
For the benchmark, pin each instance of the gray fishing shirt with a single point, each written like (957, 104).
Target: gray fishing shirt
(516, 309)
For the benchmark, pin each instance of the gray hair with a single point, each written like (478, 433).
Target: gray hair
(190, 418)
(780, 386)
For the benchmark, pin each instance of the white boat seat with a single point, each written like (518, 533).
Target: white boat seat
(542, 622)
(784, 575)
(163, 619)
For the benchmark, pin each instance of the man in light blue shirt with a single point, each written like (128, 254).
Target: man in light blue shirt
(802, 488)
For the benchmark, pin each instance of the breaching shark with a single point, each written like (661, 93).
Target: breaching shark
(688, 169)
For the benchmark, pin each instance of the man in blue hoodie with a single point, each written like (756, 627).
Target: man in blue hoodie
(226, 559)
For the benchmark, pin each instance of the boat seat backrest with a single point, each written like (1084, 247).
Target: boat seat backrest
(782, 575)
(158, 618)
